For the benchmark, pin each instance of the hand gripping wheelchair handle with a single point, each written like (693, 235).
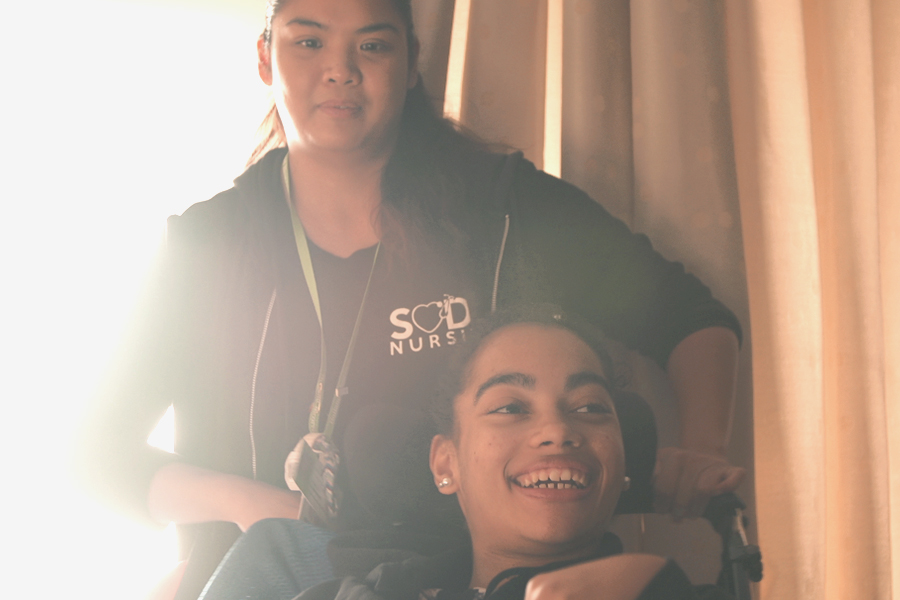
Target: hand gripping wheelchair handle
(741, 561)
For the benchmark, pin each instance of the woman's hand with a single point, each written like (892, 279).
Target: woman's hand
(183, 493)
(685, 480)
(621, 577)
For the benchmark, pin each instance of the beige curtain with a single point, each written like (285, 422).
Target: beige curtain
(721, 128)
(816, 104)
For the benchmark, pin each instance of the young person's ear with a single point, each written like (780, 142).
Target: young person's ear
(264, 60)
(444, 465)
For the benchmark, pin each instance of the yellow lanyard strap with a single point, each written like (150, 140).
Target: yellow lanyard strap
(310, 276)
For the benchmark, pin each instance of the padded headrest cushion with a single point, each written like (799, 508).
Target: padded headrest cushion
(385, 453)
(639, 437)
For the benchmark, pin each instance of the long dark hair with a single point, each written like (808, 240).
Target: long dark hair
(423, 184)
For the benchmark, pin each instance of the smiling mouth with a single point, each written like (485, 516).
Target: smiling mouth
(558, 479)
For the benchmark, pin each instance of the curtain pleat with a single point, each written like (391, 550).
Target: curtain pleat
(597, 153)
(775, 175)
(434, 26)
(503, 85)
(886, 68)
(841, 98)
(553, 89)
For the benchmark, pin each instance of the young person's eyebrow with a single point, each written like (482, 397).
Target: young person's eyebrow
(367, 29)
(585, 378)
(517, 379)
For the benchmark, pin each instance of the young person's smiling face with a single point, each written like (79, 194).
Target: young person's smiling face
(339, 72)
(536, 458)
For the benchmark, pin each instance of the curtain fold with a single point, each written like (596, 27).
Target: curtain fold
(503, 86)
(597, 151)
(841, 96)
(434, 27)
(886, 67)
(777, 192)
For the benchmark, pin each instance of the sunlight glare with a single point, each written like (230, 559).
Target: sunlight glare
(124, 112)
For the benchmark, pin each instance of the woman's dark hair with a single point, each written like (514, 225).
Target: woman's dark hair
(541, 314)
(423, 184)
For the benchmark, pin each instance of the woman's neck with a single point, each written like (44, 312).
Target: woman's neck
(337, 201)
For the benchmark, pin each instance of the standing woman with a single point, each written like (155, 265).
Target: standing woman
(339, 271)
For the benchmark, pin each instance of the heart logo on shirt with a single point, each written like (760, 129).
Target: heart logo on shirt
(428, 317)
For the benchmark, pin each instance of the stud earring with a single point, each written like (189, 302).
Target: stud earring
(627, 485)
(444, 482)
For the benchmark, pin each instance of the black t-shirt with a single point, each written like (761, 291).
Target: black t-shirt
(416, 311)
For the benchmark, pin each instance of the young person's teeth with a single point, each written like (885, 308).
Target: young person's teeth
(561, 479)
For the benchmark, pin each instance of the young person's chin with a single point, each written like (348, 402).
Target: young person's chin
(562, 533)
(558, 523)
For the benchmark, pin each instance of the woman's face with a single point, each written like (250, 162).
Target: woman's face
(537, 461)
(339, 72)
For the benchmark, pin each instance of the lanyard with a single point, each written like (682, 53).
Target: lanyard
(310, 276)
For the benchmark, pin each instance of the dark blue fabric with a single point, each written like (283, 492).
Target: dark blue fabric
(275, 559)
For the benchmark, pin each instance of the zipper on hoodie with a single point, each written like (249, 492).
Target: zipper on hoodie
(499, 262)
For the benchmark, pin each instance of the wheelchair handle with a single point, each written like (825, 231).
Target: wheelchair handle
(741, 561)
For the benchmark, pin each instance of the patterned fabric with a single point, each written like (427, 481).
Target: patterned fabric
(275, 559)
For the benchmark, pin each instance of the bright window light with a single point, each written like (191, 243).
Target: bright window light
(163, 437)
(115, 114)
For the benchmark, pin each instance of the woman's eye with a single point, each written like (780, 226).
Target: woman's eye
(594, 408)
(309, 43)
(374, 47)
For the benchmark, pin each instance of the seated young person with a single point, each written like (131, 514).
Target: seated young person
(531, 446)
